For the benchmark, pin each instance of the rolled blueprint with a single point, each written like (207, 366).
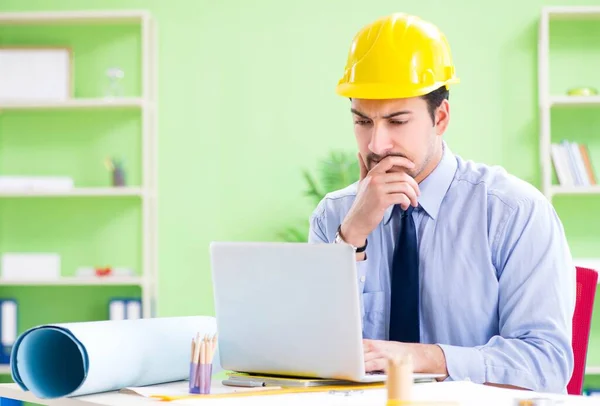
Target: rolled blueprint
(72, 359)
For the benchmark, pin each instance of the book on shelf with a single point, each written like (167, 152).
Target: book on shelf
(572, 164)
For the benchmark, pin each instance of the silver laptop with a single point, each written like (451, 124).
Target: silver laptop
(289, 309)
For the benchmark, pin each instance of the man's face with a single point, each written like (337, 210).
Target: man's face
(400, 127)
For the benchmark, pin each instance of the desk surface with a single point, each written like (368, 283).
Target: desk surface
(464, 393)
(13, 391)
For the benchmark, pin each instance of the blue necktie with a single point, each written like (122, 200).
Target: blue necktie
(404, 311)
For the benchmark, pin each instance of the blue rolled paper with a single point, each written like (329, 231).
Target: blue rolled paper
(72, 359)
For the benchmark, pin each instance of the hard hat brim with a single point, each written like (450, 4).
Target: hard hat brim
(386, 91)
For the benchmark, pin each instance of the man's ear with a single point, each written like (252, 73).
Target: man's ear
(442, 117)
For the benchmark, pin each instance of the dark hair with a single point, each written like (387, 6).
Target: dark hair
(434, 99)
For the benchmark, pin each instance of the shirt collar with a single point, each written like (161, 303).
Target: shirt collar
(434, 187)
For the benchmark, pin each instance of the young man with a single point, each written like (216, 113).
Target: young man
(460, 264)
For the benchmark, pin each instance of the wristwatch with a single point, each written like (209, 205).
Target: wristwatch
(339, 240)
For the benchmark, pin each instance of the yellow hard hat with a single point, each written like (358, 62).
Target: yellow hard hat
(397, 56)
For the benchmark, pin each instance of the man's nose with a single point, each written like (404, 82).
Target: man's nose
(381, 141)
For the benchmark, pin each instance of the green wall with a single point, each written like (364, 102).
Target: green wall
(246, 100)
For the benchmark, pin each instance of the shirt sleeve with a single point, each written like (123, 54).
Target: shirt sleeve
(536, 278)
(319, 232)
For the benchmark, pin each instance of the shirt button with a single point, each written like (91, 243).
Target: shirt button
(362, 278)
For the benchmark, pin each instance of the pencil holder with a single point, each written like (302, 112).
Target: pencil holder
(205, 378)
(200, 378)
(201, 357)
(194, 370)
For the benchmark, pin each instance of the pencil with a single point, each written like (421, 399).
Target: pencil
(197, 349)
(214, 343)
(193, 351)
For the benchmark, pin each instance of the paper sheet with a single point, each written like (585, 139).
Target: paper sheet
(74, 359)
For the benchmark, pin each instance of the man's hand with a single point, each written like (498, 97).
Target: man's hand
(427, 358)
(378, 189)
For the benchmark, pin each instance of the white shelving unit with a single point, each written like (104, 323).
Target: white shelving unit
(547, 102)
(78, 192)
(574, 101)
(592, 370)
(146, 104)
(124, 102)
(77, 281)
(573, 190)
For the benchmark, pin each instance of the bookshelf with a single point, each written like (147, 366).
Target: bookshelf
(570, 160)
(89, 120)
(567, 138)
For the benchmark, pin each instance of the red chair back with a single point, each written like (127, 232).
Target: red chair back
(587, 282)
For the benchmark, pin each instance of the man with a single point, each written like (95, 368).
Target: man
(459, 264)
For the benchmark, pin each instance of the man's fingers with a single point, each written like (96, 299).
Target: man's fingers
(370, 356)
(394, 177)
(363, 167)
(377, 364)
(403, 188)
(399, 198)
(373, 354)
(390, 161)
(368, 344)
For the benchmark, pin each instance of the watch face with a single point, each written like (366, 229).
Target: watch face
(338, 240)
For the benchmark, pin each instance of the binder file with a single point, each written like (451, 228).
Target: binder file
(10, 402)
(8, 328)
(125, 309)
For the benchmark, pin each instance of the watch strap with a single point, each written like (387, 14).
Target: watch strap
(358, 250)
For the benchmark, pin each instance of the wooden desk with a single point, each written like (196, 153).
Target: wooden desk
(464, 393)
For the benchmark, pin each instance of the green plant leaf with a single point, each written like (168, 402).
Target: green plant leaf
(336, 171)
(312, 190)
(294, 234)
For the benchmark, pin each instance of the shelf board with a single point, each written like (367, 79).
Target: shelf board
(73, 17)
(89, 192)
(575, 190)
(76, 281)
(563, 101)
(98, 103)
(571, 12)
(592, 370)
(4, 369)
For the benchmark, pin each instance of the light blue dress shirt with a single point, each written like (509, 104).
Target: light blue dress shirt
(497, 282)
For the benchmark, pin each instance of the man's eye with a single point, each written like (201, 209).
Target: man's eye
(362, 122)
(397, 122)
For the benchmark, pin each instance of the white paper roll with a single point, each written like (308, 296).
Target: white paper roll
(73, 359)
